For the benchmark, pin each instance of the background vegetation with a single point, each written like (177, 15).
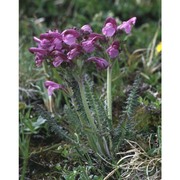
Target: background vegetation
(43, 155)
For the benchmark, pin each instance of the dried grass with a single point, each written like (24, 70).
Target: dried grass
(137, 164)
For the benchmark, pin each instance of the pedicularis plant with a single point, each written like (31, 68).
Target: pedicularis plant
(71, 53)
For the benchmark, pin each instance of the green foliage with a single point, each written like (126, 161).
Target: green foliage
(80, 172)
(126, 123)
(25, 130)
(54, 127)
(76, 101)
(96, 106)
(94, 127)
(132, 100)
(95, 131)
(142, 123)
(72, 117)
(29, 123)
(24, 142)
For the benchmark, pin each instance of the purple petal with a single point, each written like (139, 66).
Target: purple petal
(51, 83)
(59, 59)
(36, 39)
(113, 50)
(50, 35)
(127, 25)
(57, 43)
(71, 31)
(51, 86)
(100, 62)
(86, 28)
(45, 44)
(73, 53)
(69, 39)
(112, 21)
(57, 62)
(51, 90)
(96, 36)
(37, 50)
(108, 30)
(39, 60)
(132, 20)
(69, 36)
(88, 46)
(110, 27)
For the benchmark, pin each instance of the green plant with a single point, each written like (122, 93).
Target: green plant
(90, 121)
(55, 54)
(24, 153)
(80, 172)
(87, 121)
(46, 148)
(24, 140)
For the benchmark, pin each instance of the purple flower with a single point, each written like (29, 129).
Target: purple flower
(51, 86)
(57, 43)
(37, 50)
(96, 36)
(36, 39)
(39, 55)
(127, 25)
(69, 36)
(74, 52)
(58, 61)
(113, 50)
(110, 27)
(47, 43)
(100, 62)
(88, 45)
(50, 40)
(86, 29)
(50, 35)
(59, 58)
(39, 60)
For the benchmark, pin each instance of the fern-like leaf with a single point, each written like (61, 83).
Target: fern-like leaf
(54, 127)
(77, 103)
(126, 124)
(73, 119)
(132, 100)
(96, 106)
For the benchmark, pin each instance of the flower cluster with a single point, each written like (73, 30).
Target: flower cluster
(71, 44)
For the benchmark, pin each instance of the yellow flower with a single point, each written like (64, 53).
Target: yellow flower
(159, 48)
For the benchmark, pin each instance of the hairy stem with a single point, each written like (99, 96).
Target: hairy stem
(109, 96)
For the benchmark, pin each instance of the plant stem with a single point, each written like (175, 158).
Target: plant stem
(86, 107)
(50, 103)
(109, 96)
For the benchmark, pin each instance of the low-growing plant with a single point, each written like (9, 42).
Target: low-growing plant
(87, 120)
